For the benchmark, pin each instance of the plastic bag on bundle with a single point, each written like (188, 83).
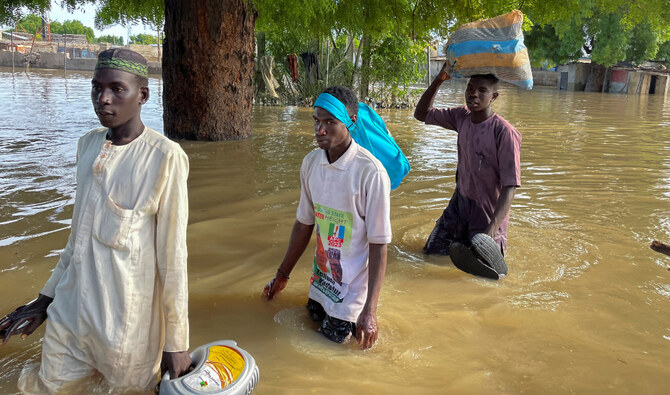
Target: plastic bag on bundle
(491, 46)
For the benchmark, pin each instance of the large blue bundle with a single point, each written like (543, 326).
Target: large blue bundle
(491, 46)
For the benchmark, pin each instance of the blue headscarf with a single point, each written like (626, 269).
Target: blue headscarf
(369, 132)
(331, 104)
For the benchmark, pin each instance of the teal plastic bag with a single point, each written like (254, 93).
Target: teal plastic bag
(372, 134)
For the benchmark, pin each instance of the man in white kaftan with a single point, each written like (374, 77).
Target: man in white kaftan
(118, 297)
(113, 281)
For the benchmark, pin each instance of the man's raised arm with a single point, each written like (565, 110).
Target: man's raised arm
(426, 101)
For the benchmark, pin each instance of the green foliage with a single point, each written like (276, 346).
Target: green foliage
(300, 25)
(397, 62)
(30, 23)
(663, 54)
(111, 12)
(143, 38)
(544, 45)
(116, 40)
(643, 43)
(610, 40)
(11, 11)
(280, 46)
(609, 30)
(334, 70)
(300, 19)
(73, 27)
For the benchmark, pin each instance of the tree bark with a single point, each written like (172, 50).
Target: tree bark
(365, 67)
(208, 69)
(158, 41)
(357, 58)
(596, 78)
(259, 84)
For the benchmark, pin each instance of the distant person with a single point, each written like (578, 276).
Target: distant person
(116, 303)
(488, 170)
(345, 199)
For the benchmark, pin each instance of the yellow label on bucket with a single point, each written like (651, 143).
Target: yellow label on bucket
(223, 366)
(228, 362)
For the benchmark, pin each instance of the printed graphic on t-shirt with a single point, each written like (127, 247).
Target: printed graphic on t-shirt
(335, 226)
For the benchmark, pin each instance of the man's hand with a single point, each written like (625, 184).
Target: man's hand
(366, 329)
(491, 230)
(426, 101)
(177, 363)
(503, 204)
(275, 286)
(442, 75)
(300, 236)
(25, 319)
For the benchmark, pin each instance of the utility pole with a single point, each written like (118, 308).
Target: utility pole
(47, 25)
(11, 41)
(428, 68)
(327, 59)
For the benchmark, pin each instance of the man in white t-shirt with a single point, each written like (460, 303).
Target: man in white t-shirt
(345, 199)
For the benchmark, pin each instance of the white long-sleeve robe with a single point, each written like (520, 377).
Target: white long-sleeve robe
(120, 287)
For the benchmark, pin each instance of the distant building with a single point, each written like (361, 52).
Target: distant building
(651, 78)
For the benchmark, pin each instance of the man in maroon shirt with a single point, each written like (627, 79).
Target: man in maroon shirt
(488, 168)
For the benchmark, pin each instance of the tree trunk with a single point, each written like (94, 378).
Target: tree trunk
(365, 67)
(349, 51)
(208, 69)
(596, 78)
(158, 41)
(259, 84)
(357, 58)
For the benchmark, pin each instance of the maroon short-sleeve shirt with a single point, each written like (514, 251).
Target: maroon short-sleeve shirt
(488, 159)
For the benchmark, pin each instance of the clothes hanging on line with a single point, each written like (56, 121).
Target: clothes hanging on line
(311, 62)
(267, 64)
(292, 60)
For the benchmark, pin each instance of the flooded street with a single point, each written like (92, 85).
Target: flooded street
(585, 307)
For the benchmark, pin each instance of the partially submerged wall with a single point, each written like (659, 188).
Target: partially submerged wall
(639, 82)
(49, 60)
(150, 52)
(618, 80)
(545, 78)
(577, 75)
(662, 85)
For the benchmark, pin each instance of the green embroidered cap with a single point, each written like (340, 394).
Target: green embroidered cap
(124, 60)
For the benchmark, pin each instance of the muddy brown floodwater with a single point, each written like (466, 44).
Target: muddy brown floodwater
(585, 308)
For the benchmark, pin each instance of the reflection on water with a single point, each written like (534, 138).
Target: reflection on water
(583, 310)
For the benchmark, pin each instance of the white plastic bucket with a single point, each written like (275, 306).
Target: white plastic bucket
(221, 367)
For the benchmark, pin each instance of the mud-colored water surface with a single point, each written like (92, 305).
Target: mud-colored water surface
(585, 308)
